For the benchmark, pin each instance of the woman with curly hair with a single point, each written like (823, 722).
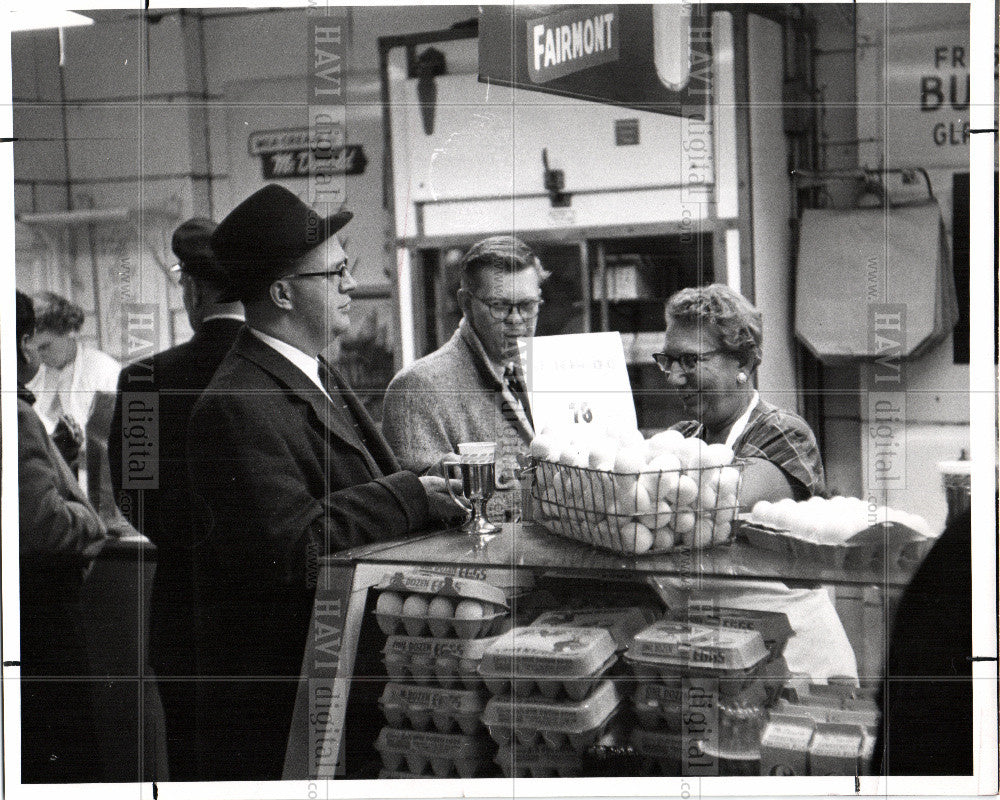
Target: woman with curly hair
(72, 374)
(712, 347)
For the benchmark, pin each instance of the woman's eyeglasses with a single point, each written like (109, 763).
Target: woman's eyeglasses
(501, 309)
(688, 362)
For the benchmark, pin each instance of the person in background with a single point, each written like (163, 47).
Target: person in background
(171, 382)
(712, 347)
(472, 388)
(59, 536)
(926, 697)
(287, 467)
(71, 374)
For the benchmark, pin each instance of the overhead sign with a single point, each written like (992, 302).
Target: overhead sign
(570, 41)
(655, 58)
(927, 90)
(292, 153)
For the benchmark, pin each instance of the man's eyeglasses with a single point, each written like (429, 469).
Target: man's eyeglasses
(342, 269)
(501, 309)
(688, 362)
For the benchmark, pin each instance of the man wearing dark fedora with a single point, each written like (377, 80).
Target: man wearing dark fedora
(174, 379)
(289, 467)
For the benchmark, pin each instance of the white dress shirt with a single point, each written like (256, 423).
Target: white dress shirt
(309, 365)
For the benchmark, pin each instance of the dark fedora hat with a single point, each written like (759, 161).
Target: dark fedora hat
(192, 244)
(260, 239)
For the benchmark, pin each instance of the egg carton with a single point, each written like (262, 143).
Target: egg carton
(445, 605)
(539, 762)
(445, 709)
(490, 624)
(739, 720)
(671, 649)
(447, 662)
(661, 751)
(552, 661)
(446, 754)
(575, 725)
(773, 626)
(670, 510)
(621, 623)
(875, 547)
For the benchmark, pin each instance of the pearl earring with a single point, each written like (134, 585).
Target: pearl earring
(741, 377)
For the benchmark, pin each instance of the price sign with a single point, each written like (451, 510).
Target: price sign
(578, 378)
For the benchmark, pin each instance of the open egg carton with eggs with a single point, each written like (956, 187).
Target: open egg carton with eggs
(536, 721)
(446, 755)
(418, 602)
(839, 532)
(634, 496)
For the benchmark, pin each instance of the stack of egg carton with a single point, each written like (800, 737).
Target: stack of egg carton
(437, 627)
(706, 679)
(821, 729)
(555, 690)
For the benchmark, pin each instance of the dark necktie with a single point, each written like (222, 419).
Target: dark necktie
(514, 382)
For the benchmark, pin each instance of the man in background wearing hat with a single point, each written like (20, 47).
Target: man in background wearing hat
(176, 378)
(289, 467)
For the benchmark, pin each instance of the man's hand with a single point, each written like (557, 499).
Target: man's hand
(68, 438)
(440, 504)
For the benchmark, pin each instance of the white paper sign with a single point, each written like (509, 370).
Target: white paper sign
(578, 378)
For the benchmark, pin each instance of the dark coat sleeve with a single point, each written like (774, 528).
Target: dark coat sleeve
(55, 518)
(260, 508)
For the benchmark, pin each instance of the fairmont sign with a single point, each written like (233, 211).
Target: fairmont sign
(567, 42)
(654, 58)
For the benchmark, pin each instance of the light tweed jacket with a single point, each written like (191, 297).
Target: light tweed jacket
(453, 395)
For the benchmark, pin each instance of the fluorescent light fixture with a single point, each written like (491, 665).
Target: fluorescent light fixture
(40, 19)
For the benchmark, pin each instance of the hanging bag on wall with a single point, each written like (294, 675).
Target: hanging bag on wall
(858, 267)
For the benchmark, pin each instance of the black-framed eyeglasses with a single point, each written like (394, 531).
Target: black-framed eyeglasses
(342, 269)
(688, 362)
(501, 309)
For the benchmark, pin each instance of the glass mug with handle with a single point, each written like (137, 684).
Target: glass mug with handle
(475, 466)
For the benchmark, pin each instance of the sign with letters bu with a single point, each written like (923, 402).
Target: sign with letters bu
(650, 57)
(578, 378)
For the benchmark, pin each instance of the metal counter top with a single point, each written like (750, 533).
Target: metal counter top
(527, 545)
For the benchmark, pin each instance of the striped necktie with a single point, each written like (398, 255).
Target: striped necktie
(513, 381)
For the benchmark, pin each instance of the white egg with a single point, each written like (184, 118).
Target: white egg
(663, 539)
(603, 454)
(636, 538)
(544, 447)
(690, 452)
(762, 511)
(729, 480)
(665, 462)
(439, 613)
(469, 610)
(717, 455)
(415, 614)
(701, 534)
(661, 515)
(663, 442)
(630, 460)
(720, 531)
(687, 491)
(707, 499)
(684, 521)
(389, 603)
